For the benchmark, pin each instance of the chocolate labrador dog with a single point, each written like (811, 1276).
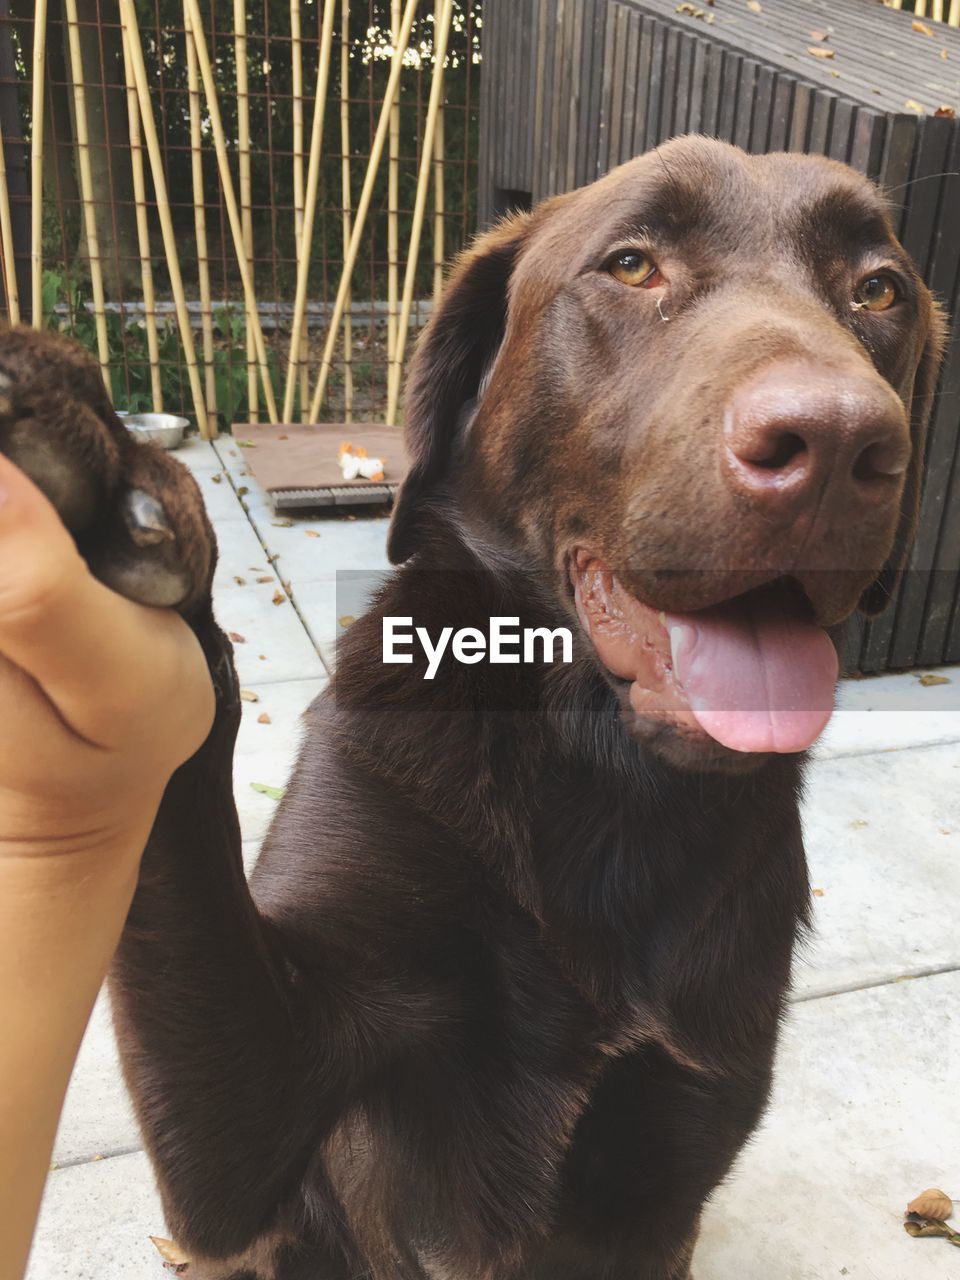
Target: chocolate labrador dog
(502, 998)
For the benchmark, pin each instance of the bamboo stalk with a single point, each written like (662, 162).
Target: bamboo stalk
(393, 206)
(936, 10)
(439, 193)
(86, 189)
(423, 181)
(309, 209)
(296, 56)
(230, 199)
(347, 204)
(246, 193)
(128, 17)
(36, 162)
(6, 243)
(143, 230)
(200, 219)
(363, 205)
(954, 18)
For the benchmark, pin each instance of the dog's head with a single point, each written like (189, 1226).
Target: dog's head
(698, 390)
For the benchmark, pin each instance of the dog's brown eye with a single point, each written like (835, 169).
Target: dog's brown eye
(876, 293)
(634, 268)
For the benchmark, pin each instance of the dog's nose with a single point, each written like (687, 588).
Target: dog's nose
(798, 430)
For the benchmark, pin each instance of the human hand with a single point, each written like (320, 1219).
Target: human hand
(101, 699)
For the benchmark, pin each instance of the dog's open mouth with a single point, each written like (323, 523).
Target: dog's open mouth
(755, 673)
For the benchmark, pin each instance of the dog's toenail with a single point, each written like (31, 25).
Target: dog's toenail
(146, 519)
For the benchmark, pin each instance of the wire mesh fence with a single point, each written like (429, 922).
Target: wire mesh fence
(183, 182)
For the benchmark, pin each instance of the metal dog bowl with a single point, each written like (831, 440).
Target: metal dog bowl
(163, 429)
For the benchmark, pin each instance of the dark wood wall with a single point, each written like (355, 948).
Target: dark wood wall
(572, 88)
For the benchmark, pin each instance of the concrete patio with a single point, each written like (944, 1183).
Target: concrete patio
(865, 1113)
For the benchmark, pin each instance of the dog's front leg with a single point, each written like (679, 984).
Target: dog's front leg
(205, 1011)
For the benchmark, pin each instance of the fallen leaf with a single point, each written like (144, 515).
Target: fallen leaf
(818, 893)
(216, 478)
(311, 533)
(275, 793)
(946, 113)
(930, 679)
(263, 657)
(933, 1204)
(859, 822)
(272, 559)
(236, 637)
(282, 524)
(265, 577)
(246, 444)
(248, 695)
(263, 718)
(819, 51)
(921, 27)
(711, 17)
(918, 1227)
(912, 105)
(347, 620)
(755, 6)
(278, 596)
(944, 54)
(242, 491)
(819, 35)
(174, 1259)
(241, 582)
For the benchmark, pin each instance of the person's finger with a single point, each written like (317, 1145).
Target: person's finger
(98, 657)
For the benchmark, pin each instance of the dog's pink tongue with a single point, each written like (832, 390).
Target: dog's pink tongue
(756, 678)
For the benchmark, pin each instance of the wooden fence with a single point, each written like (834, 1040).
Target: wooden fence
(574, 87)
(242, 213)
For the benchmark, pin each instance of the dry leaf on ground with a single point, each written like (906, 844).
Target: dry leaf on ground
(912, 105)
(921, 27)
(263, 718)
(247, 695)
(278, 596)
(818, 51)
(265, 577)
(933, 1204)
(282, 524)
(311, 533)
(347, 620)
(236, 637)
(241, 582)
(755, 6)
(217, 477)
(929, 679)
(946, 113)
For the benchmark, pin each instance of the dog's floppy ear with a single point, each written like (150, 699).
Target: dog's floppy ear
(456, 348)
(880, 592)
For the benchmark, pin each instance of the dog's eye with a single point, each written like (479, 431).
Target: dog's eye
(634, 268)
(876, 293)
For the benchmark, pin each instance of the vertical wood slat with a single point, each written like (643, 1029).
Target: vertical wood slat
(200, 218)
(294, 358)
(439, 193)
(128, 17)
(296, 109)
(363, 204)
(230, 200)
(419, 208)
(87, 194)
(393, 206)
(347, 203)
(245, 186)
(143, 230)
(10, 288)
(36, 162)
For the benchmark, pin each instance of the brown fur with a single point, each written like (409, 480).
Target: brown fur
(502, 1000)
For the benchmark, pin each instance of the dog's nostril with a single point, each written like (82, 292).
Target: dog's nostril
(777, 451)
(879, 461)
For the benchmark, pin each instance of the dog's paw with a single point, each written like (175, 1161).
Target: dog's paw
(136, 513)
